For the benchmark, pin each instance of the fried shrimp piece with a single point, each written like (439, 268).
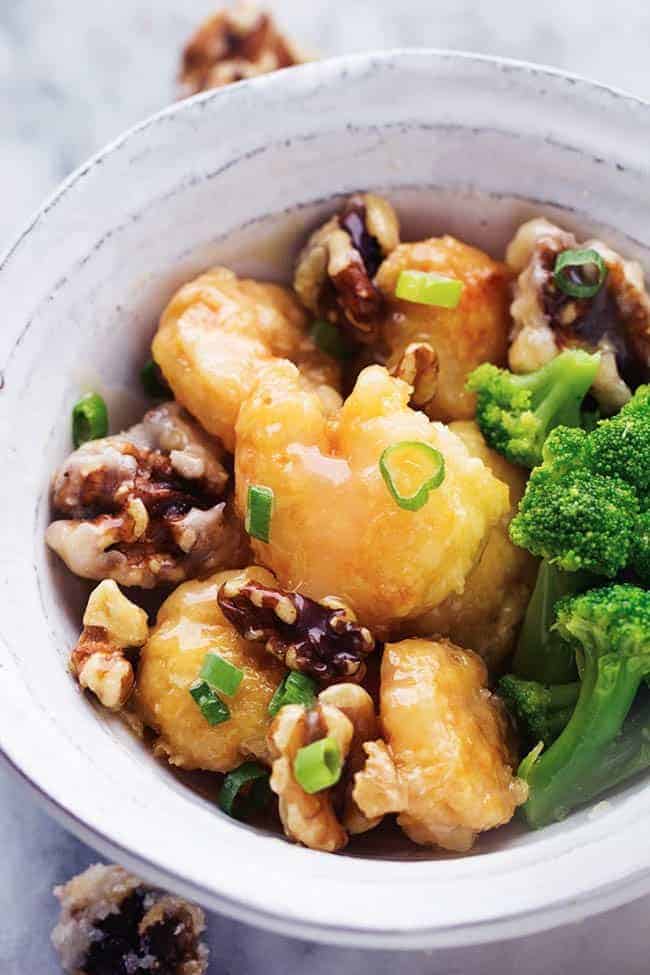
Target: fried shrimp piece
(189, 625)
(147, 506)
(434, 348)
(234, 44)
(445, 764)
(336, 530)
(487, 614)
(322, 820)
(615, 322)
(216, 334)
(111, 923)
(335, 270)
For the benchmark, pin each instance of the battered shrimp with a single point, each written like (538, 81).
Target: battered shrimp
(189, 625)
(335, 529)
(435, 348)
(486, 615)
(446, 744)
(216, 334)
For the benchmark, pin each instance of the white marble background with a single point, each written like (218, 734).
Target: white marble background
(73, 74)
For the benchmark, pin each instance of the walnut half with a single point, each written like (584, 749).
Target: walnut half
(324, 820)
(232, 45)
(321, 639)
(335, 270)
(111, 625)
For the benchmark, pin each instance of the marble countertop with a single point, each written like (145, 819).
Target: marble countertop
(72, 76)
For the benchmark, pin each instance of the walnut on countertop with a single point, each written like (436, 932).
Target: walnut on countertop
(322, 820)
(112, 625)
(322, 639)
(335, 270)
(614, 322)
(232, 45)
(147, 506)
(113, 924)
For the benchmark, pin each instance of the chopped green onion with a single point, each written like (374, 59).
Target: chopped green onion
(231, 799)
(429, 288)
(213, 709)
(220, 674)
(89, 419)
(318, 766)
(412, 463)
(259, 508)
(576, 283)
(153, 381)
(295, 688)
(331, 340)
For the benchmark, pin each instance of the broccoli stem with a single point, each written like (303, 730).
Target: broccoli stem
(561, 778)
(627, 755)
(560, 388)
(541, 653)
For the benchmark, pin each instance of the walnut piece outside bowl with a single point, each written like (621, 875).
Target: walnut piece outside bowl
(462, 144)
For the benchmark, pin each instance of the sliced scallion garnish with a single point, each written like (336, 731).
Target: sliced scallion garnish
(220, 674)
(411, 470)
(153, 381)
(214, 710)
(295, 688)
(429, 288)
(259, 508)
(330, 340)
(89, 419)
(318, 766)
(238, 804)
(579, 274)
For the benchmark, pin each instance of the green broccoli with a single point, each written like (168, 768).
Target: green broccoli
(541, 654)
(620, 446)
(610, 630)
(516, 412)
(541, 711)
(640, 551)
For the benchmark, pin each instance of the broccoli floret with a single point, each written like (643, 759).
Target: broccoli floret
(620, 446)
(541, 711)
(516, 412)
(610, 629)
(541, 654)
(577, 520)
(640, 550)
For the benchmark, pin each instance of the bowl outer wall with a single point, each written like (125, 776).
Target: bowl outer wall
(110, 246)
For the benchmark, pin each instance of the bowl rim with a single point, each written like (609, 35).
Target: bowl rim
(518, 923)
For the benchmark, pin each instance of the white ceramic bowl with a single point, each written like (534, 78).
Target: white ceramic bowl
(461, 143)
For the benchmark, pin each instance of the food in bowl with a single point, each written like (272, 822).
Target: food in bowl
(404, 506)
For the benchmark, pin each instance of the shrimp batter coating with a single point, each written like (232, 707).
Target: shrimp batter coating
(448, 739)
(189, 625)
(335, 528)
(487, 614)
(216, 334)
(459, 339)
(614, 322)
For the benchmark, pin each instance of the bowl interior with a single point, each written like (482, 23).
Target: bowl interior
(461, 146)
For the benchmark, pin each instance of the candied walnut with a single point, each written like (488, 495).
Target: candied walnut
(322, 639)
(146, 507)
(112, 624)
(448, 740)
(323, 820)
(615, 322)
(113, 924)
(232, 45)
(461, 338)
(335, 270)
(189, 624)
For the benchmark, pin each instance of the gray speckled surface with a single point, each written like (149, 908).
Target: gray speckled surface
(72, 76)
